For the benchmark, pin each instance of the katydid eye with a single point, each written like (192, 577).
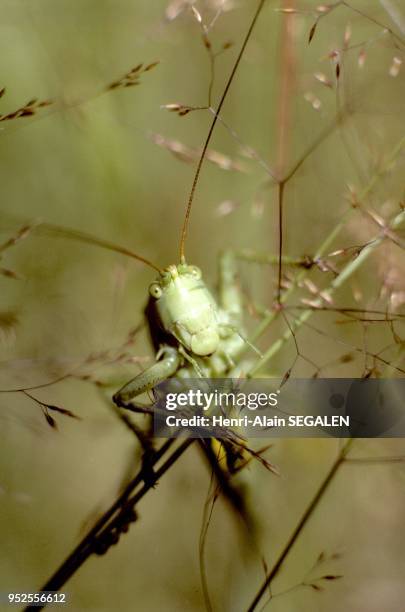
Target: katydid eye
(196, 272)
(155, 290)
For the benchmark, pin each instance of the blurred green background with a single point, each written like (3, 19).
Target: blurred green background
(89, 161)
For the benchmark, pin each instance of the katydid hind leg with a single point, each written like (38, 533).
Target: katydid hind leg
(230, 297)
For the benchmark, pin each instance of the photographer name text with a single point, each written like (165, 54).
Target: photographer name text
(196, 421)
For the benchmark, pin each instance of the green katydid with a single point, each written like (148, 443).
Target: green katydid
(193, 333)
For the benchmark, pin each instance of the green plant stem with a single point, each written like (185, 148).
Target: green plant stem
(301, 524)
(271, 316)
(337, 282)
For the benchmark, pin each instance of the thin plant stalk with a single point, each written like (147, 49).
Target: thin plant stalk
(326, 244)
(337, 282)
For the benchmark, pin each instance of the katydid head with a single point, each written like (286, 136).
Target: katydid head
(186, 308)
